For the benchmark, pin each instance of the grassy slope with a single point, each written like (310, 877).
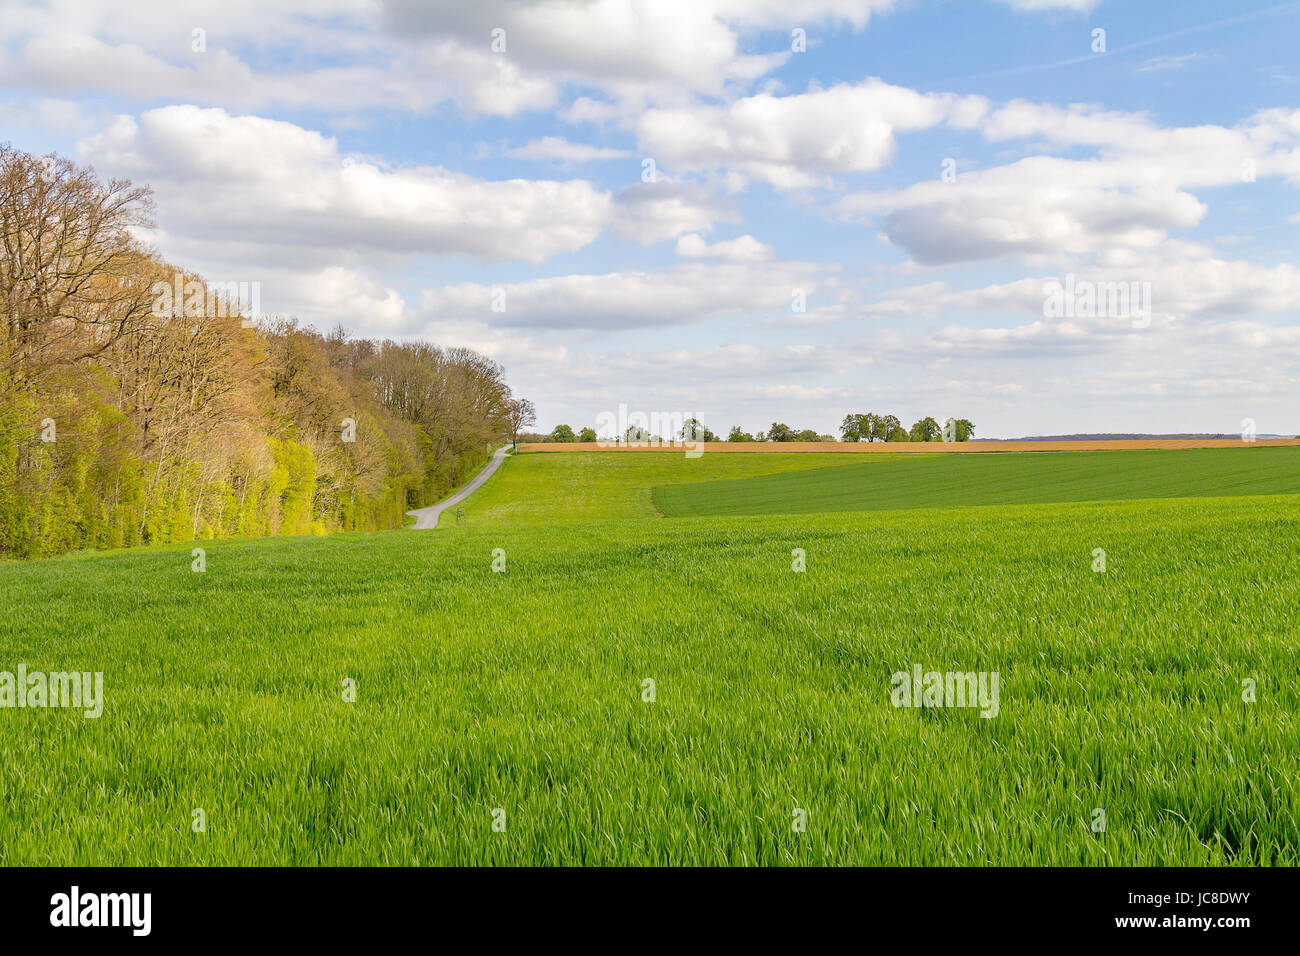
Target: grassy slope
(954, 480)
(521, 690)
(561, 488)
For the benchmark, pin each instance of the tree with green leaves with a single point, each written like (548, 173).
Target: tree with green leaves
(587, 435)
(851, 429)
(961, 429)
(739, 434)
(869, 427)
(563, 433)
(882, 426)
(927, 429)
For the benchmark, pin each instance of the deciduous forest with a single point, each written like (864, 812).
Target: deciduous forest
(130, 417)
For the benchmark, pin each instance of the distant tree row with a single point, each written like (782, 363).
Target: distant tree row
(695, 430)
(778, 432)
(855, 428)
(564, 433)
(872, 427)
(692, 430)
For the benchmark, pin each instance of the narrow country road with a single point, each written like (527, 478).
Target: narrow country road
(426, 518)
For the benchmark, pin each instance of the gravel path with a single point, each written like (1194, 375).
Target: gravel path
(426, 518)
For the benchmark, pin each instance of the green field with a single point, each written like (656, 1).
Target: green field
(522, 691)
(943, 481)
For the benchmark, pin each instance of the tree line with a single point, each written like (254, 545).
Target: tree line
(866, 427)
(872, 427)
(125, 423)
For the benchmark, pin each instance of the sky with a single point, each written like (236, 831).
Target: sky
(1045, 216)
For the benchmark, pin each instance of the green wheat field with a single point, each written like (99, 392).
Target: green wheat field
(500, 717)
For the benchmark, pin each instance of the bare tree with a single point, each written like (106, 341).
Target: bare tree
(73, 279)
(520, 414)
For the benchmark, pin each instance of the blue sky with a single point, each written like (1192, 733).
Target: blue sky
(377, 163)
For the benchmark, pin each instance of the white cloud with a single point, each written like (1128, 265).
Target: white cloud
(653, 212)
(562, 150)
(410, 55)
(1130, 197)
(794, 141)
(1008, 380)
(680, 295)
(355, 297)
(1189, 284)
(587, 110)
(999, 216)
(692, 44)
(244, 198)
(741, 249)
(340, 63)
(239, 176)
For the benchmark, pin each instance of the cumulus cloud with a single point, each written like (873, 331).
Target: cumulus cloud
(1136, 150)
(741, 249)
(694, 44)
(291, 187)
(653, 212)
(1188, 284)
(340, 60)
(408, 55)
(1132, 196)
(240, 176)
(795, 141)
(994, 216)
(353, 296)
